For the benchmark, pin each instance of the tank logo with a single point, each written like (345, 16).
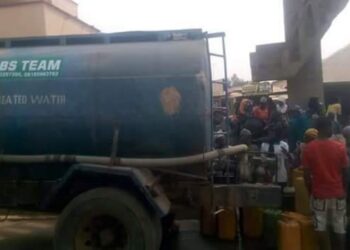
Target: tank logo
(30, 68)
(170, 99)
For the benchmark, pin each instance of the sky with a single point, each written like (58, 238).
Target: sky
(246, 23)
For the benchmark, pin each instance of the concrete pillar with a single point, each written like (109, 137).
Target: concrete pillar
(308, 82)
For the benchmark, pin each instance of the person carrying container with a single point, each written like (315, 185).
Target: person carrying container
(335, 109)
(324, 163)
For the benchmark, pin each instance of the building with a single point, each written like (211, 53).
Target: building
(23, 18)
(336, 67)
(298, 59)
(336, 77)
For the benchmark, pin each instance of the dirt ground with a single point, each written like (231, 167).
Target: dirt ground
(36, 234)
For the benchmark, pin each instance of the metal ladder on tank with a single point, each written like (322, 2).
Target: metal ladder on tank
(224, 106)
(226, 175)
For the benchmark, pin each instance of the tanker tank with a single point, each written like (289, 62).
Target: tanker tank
(149, 92)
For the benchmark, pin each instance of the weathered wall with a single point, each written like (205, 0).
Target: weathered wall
(22, 20)
(58, 23)
(66, 5)
(307, 82)
(298, 60)
(25, 18)
(12, 2)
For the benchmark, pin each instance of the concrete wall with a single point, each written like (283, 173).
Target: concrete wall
(13, 2)
(22, 20)
(58, 23)
(67, 6)
(25, 18)
(308, 82)
(298, 60)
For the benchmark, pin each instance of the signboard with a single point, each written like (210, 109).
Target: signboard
(262, 88)
(30, 68)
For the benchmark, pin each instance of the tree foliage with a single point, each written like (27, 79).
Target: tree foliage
(236, 81)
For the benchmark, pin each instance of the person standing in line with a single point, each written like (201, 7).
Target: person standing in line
(335, 108)
(315, 108)
(325, 162)
(280, 148)
(261, 111)
(273, 143)
(297, 156)
(336, 127)
(297, 126)
(346, 134)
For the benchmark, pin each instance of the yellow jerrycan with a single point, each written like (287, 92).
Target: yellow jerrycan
(308, 235)
(253, 222)
(289, 235)
(226, 224)
(302, 199)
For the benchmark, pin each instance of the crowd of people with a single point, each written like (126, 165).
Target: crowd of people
(313, 140)
(274, 127)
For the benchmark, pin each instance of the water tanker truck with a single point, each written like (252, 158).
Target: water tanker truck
(112, 131)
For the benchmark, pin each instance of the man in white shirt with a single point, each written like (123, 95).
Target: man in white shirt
(280, 149)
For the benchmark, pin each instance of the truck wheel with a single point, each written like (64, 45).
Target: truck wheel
(158, 230)
(106, 219)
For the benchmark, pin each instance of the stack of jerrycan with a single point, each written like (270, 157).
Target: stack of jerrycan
(221, 223)
(297, 173)
(253, 222)
(289, 237)
(207, 222)
(270, 230)
(226, 224)
(296, 232)
(207, 216)
(302, 199)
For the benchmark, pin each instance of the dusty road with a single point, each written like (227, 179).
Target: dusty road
(26, 234)
(36, 234)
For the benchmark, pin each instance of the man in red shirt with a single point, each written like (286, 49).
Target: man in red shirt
(325, 161)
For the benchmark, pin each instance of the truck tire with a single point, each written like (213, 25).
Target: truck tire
(106, 219)
(158, 230)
